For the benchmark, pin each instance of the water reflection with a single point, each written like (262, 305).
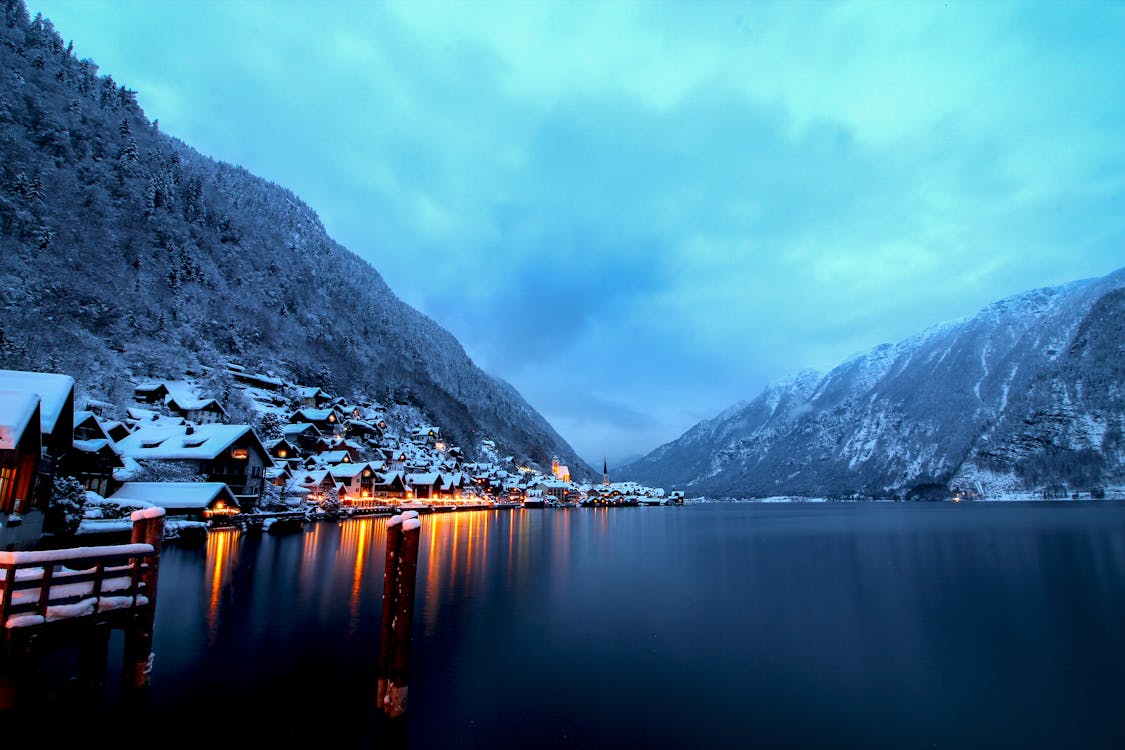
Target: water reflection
(222, 557)
(702, 626)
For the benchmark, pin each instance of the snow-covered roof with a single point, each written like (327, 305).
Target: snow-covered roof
(176, 495)
(205, 442)
(298, 428)
(90, 446)
(429, 478)
(53, 391)
(341, 471)
(334, 457)
(17, 408)
(194, 404)
(315, 415)
(150, 417)
(309, 391)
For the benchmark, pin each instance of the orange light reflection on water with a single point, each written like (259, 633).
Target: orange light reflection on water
(222, 555)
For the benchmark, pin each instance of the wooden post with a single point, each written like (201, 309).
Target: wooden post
(390, 578)
(148, 528)
(395, 701)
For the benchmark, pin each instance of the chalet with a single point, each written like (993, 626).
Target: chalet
(424, 485)
(312, 397)
(318, 483)
(256, 380)
(561, 491)
(426, 435)
(325, 420)
(56, 421)
(365, 430)
(20, 444)
(93, 458)
(358, 481)
(56, 409)
(136, 417)
(391, 486)
(231, 454)
(150, 393)
(327, 458)
(452, 484)
(198, 410)
(198, 501)
(282, 450)
(304, 435)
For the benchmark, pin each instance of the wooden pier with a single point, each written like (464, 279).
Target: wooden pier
(52, 599)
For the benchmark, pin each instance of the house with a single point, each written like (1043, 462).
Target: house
(358, 482)
(256, 380)
(20, 444)
(198, 501)
(303, 434)
(56, 409)
(327, 458)
(94, 459)
(426, 435)
(312, 397)
(424, 485)
(325, 420)
(282, 450)
(392, 486)
(198, 410)
(150, 393)
(231, 454)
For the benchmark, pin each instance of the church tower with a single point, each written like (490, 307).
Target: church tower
(605, 473)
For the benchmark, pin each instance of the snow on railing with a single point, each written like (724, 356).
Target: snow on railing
(42, 586)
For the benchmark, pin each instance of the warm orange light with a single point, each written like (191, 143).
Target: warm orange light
(282, 453)
(239, 453)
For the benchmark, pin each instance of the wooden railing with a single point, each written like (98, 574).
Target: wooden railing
(47, 586)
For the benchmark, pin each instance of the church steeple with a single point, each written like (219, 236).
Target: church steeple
(605, 472)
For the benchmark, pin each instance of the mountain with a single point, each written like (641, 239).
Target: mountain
(1026, 395)
(126, 253)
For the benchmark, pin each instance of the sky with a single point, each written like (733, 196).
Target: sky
(641, 213)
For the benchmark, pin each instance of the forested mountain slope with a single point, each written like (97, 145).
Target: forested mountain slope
(124, 252)
(1024, 396)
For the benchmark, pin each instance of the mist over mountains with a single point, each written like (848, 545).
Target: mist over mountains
(1024, 396)
(125, 253)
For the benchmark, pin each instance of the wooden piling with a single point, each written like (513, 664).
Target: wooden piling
(148, 528)
(390, 588)
(403, 621)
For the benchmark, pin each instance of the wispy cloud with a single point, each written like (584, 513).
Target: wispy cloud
(640, 212)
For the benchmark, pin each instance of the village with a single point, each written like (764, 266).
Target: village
(73, 473)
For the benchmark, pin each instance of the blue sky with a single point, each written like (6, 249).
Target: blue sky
(640, 213)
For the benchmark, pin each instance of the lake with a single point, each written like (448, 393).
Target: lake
(711, 625)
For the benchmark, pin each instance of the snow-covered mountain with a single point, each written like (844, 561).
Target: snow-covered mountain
(1024, 395)
(125, 253)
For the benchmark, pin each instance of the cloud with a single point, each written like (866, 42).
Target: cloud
(652, 209)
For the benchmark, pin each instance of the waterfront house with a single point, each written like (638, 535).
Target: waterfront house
(391, 486)
(231, 454)
(56, 418)
(199, 501)
(94, 458)
(358, 482)
(424, 485)
(20, 445)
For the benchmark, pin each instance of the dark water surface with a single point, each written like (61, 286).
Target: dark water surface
(704, 626)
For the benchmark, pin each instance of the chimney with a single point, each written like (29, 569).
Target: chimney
(190, 430)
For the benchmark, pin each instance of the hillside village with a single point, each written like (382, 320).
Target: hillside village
(226, 444)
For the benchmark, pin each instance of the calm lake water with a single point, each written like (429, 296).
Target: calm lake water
(702, 626)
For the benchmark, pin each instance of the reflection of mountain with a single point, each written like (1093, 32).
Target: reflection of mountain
(124, 251)
(1027, 394)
